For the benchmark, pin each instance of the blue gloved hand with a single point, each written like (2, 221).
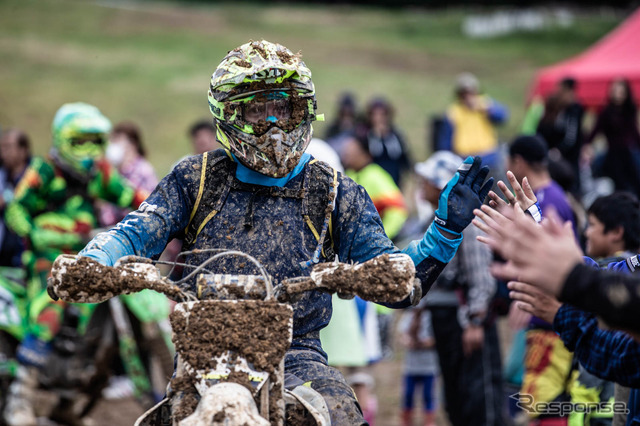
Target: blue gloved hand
(463, 193)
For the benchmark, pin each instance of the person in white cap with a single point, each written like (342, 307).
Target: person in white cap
(465, 333)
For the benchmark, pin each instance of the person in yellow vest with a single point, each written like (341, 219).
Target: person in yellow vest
(470, 123)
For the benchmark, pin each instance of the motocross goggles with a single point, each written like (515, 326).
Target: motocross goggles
(267, 106)
(255, 112)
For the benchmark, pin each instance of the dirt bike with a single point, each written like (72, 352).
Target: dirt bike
(125, 333)
(232, 333)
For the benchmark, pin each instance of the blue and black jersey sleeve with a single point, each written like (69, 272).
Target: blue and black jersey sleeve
(161, 217)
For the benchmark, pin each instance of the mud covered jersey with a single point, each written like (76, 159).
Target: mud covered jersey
(277, 235)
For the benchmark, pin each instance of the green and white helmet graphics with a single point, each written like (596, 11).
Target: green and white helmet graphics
(251, 78)
(79, 136)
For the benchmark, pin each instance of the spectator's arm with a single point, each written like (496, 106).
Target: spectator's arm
(613, 296)
(609, 355)
(497, 112)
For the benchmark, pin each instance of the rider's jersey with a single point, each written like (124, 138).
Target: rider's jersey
(270, 228)
(53, 211)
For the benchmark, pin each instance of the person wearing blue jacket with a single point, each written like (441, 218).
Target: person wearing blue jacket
(607, 354)
(263, 195)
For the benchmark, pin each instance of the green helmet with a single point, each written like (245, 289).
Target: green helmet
(79, 137)
(263, 102)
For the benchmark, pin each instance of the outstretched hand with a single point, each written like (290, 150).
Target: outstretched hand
(465, 192)
(540, 255)
(532, 300)
(524, 195)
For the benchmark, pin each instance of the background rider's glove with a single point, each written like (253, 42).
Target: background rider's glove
(463, 193)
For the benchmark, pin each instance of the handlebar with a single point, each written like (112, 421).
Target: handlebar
(386, 278)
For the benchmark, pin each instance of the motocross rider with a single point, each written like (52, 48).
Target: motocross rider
(53, 211)
(263, 195)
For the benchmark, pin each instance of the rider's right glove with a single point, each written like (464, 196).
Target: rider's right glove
(463, 193)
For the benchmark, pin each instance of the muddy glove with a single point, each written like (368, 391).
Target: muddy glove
(463, 193)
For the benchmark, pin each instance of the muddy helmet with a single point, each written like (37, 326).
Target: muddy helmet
(79, 137)
(263, 102)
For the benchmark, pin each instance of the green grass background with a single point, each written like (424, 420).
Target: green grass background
(151, 62)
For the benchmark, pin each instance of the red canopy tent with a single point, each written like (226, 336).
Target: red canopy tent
(616, 55)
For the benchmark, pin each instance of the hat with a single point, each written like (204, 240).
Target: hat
(439, 168)
(466, 82)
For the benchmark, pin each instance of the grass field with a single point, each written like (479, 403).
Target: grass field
(151, 62)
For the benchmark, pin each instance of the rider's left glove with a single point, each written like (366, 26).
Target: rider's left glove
(463, 193)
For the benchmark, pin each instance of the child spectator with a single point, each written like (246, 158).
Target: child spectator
(363, 386)
(420, 364)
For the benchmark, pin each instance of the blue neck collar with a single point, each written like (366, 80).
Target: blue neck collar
(246, 175)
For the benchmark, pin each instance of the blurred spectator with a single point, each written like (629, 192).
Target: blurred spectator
(203, 137)
(469, 128)
(529, 157)
(322, 151)
(385, 143)
(420, 364)
(378, 183)
(343, 338)
(464, 327)
(363, 386)
(389, 203)
(15, 155)
(345, 121)
(561, 126)
(618, 123)
(613, 235)
(127, 154)
(561, 173)
(548, 364)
